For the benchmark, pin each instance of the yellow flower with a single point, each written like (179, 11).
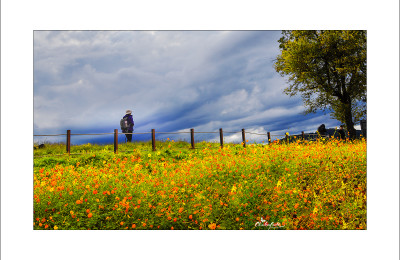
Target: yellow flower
(149, 155)
(279, 183)
(55, 227)
(233, 188)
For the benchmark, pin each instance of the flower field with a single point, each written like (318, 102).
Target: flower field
(300, 185)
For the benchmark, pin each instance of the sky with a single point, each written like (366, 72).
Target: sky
(84, 81)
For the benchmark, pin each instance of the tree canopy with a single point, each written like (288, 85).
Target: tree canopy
(328, 69)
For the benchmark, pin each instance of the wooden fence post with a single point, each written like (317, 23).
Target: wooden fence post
(153, 139)
(221, 137)
(115, 140)
(269, 137)
(192, 137)
(68, 141)
(302, 135)
(244, 138)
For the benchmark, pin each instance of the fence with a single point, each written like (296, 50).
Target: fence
(192, 132)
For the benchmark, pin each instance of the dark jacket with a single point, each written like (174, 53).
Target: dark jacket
(130, 121)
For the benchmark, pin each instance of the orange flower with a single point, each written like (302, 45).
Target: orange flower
(180, 210)
(237, 219)
(190, 217)
(172, 228)
(70, 193)
(90, 215)
(296, 206)
(95, 192)
(134, 226)
(88, 210)
(121, 223)
(174, 219)
(212, 226)
(78, 202)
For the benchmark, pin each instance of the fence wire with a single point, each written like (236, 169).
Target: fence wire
(172, 132)
(306, 136)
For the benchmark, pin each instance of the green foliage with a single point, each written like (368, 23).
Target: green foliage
(302, 185)
(328, 69)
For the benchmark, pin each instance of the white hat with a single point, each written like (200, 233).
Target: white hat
(128, 111)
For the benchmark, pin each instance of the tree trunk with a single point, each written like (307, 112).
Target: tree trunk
(349, 121)
(348, 115)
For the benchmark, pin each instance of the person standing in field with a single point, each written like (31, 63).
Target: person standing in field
(128, 128)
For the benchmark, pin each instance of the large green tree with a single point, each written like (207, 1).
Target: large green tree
(329, 70)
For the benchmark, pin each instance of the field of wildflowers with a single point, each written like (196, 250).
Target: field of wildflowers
(298, 185)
